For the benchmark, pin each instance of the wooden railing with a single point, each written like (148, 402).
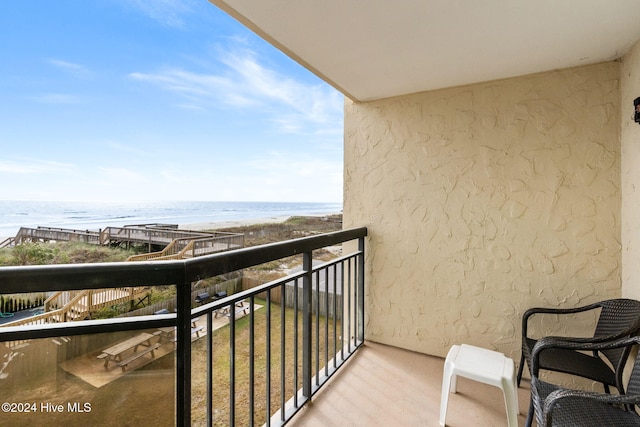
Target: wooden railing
(26, 234)
(155, 255)
(7, 242)
(150, 235)
(130, 234)
(191, 248)
(58, 300)
(64, 306)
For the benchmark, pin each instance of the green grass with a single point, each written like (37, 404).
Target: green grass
(38, 253)
(221, 363)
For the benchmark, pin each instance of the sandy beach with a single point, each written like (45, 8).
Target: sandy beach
(214, 225)
(198, 215)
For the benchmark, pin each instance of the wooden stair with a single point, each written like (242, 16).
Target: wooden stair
(67, 306)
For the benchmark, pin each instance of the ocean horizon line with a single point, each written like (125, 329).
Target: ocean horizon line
(98, 215)
(162, 201)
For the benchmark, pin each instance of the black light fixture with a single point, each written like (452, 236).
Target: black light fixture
(636, 115)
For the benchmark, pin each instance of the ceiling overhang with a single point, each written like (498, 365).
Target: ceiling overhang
(378, 49)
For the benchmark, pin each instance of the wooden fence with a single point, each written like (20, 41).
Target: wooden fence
(229, 286)
(319, 303)
(10, 303)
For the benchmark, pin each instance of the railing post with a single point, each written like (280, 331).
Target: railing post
(183, 350)
(307, 265)
(360, 284)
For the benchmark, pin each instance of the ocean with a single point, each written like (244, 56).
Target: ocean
(98, 215)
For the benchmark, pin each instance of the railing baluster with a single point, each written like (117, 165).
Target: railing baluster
(347, 338)
(268, 356)
(283, 352)
(317, 322)
(252, 355)
(360, 271)
(342, 309)
(210, 369)
(296, 347)
(232, 365)
(335, 315)
(307, 266)
(183, 348)
(326, 321)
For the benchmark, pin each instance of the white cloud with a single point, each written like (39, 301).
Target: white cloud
(115, 175)
(70, 67)
(272, 176)
(169, 13)
(193, 107)
(33, 167)
(197, 87)
(288, 176)
(293, 106)
(307, 104)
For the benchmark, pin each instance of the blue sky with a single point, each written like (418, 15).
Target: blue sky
(158, 100)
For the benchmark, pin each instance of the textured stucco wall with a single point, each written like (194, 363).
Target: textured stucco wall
(485, 200)
(630, 165)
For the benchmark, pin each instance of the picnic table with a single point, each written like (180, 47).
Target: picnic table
(115, 352)
(168, 333)
(240, 307)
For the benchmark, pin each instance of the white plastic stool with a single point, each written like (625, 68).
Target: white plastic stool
(482, 365)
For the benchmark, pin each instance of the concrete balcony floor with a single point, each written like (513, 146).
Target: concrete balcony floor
(387, 386)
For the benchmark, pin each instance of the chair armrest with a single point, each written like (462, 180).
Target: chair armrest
(542, 310)
(556, 397)
(586, 344)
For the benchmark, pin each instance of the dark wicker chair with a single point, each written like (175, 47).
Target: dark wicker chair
(555, 406)
(618, 318)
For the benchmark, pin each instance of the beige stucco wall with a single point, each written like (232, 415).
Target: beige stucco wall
(630, 165)
(482, 201)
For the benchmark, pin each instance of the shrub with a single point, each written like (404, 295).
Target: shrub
(33, 254)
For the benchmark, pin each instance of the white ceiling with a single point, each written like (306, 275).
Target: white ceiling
(372, 49)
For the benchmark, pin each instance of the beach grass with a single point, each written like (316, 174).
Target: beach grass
(38, 253)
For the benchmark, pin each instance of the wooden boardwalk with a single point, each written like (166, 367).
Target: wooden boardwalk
(176, 243)
(79, 305)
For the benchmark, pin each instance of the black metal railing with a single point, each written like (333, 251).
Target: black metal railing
(320, 311)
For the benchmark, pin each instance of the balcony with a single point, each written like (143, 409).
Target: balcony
(254, 357)
(388, 386)
(381, 385)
